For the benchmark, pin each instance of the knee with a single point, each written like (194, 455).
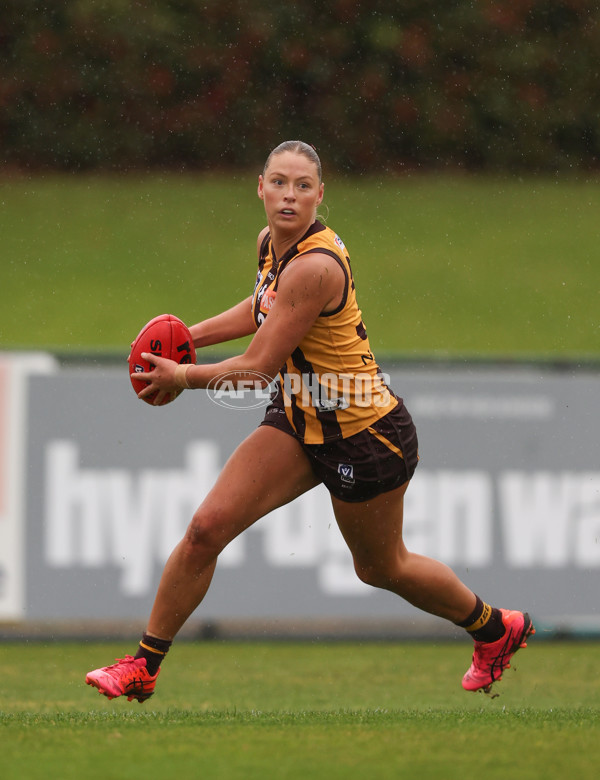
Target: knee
(373, 574)
(205, 534)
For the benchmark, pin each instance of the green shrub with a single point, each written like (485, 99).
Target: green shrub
(124, 84)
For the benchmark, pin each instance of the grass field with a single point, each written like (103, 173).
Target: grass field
(444, 266)
(302, 710)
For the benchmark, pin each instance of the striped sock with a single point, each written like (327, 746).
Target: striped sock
(153, 650)
(484, 623)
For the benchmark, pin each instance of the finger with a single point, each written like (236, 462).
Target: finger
(143, 376)
(160, 397)
(146, 392)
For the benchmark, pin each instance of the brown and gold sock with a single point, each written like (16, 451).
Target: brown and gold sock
(484, 623)
(153, 650)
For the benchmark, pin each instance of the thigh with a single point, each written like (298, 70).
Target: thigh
(373, 529)
(267, 470)
(378, 459)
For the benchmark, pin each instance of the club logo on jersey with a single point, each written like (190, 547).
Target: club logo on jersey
(340, 243)
(346, 472)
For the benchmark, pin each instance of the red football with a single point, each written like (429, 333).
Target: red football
(166, 336)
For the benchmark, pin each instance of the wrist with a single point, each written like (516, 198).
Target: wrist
(180, 377)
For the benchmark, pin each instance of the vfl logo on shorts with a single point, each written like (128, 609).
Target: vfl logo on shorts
(346, 472)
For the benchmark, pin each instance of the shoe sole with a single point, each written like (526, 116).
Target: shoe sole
(527, 631)
(141, 698)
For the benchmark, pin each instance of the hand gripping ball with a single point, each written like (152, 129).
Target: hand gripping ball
(166, 336)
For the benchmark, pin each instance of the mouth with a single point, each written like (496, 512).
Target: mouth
(288, 212)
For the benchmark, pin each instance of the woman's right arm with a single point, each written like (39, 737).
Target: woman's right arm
(231, 324)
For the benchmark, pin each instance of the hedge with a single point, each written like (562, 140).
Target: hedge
(208, 84)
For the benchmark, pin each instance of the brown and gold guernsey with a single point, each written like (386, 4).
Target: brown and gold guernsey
(330, 385)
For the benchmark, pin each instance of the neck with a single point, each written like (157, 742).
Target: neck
(283, 241)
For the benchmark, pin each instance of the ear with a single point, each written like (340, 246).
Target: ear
(321, 191)
(260, 187)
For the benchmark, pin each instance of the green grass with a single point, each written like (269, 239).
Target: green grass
(445, 266)
(298, 710)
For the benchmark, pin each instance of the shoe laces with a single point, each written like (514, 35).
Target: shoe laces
(120, 661)
(493, 655)
(132, 672)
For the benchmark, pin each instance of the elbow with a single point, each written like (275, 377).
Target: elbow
(268, 370)
(263, 362)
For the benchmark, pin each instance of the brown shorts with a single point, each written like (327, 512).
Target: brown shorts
(377, 459)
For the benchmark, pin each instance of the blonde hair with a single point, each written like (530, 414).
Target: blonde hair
(298, 147)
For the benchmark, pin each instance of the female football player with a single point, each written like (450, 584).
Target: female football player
(332, 419)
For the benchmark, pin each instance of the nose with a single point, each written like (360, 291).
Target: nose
(289, 192)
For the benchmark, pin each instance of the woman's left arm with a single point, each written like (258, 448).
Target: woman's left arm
(306, 288)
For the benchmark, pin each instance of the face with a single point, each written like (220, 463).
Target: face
(291, 191)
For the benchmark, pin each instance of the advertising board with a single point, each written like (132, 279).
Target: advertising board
(507, 492)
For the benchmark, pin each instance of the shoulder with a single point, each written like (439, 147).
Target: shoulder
(261, 237)
(316, 273)
(323, 235)
(324, 241)
(323, 265)
(324, 246)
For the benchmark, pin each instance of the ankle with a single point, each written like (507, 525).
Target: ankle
(485, 623)
(153, 650)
